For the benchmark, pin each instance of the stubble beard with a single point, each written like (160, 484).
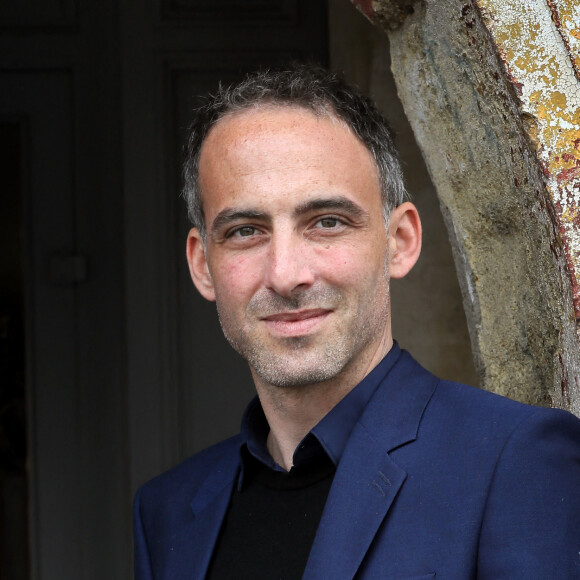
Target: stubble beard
(305, 360)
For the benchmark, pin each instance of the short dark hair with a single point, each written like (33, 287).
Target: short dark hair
(309, 87)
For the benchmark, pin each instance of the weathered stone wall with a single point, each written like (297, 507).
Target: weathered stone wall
(502, 152)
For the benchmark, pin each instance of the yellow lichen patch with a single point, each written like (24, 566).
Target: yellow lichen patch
(525, 64)
(534, 31)
(569, 214)
(510, 55)
(567, 142)
(567, 160)
(559, 100)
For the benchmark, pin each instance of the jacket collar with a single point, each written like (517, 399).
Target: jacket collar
(331, 433)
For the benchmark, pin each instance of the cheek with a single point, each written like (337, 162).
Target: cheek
(351, 265)
(236, 279)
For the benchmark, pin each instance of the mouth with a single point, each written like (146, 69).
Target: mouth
(296, 323)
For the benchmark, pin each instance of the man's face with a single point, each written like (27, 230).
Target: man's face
(296, 252)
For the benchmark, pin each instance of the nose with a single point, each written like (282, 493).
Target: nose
(288, 268)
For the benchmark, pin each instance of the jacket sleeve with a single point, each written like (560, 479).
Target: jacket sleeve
(531, 525)
(141, 557)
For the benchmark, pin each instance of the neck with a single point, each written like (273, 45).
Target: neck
(292, 412)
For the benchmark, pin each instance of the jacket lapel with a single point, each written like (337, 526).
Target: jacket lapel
(363, 489)
(367, 480)
(194, 543)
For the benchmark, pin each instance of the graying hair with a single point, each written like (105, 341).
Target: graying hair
(311, 88)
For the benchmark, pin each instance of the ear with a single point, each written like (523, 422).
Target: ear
(198, 267)
(404, 239)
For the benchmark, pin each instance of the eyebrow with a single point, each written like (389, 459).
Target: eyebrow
(338, 202)
(229, 215)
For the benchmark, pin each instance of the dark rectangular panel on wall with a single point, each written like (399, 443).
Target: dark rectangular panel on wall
(27, 14)
(60, 81)
(50, 307)
(249, 12)
(14, 460)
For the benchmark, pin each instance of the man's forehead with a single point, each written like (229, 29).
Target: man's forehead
(272, 117)
(252, 153)
(263, 137)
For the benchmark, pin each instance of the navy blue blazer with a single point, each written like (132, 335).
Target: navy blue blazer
(437, 480)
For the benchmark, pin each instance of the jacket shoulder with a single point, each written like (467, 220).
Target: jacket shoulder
(466, 414)
(475, 405)
(184, 479)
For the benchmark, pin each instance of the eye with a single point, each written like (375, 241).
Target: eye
(328, 222)
(244, 231)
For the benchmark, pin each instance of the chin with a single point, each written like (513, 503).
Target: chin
(297, 380)
(296, 370)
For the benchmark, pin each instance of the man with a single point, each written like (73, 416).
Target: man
(352, 460)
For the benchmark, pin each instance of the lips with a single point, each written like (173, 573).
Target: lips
(296, 323)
